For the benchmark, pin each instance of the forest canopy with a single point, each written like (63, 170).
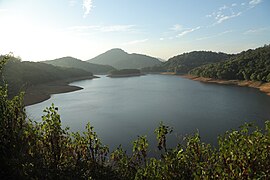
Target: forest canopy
(185, 62)
(23, 74)
(251, 65)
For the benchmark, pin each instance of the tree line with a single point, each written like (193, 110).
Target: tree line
(187, 61)
(251, 65)
(23, 74)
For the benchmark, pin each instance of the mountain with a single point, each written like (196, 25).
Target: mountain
(185, 62)
(162, 60)
(21, 75)
(79, 64)
(120, 59)
(251, 65)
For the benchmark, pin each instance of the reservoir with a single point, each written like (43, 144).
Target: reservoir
(120, 109)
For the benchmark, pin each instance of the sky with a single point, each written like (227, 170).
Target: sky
(37, 30)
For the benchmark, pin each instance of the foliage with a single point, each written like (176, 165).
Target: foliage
(161, 133)
(185, 62)
(125, 72)
(251, 65)
(44, 150)
(21, 75)
(153, 69)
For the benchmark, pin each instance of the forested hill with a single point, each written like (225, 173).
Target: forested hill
(79, 64)
(251, 65)
(125, 73)
(120, 59)
(22, 74)
(185, 62)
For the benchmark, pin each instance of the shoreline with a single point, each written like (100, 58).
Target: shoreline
(39, 93)
(263, 87)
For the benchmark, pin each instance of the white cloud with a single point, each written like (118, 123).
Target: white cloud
(206, 37)
(135, 42)
(230, 11)
(256, 31)
(177, 31)
(255, 2)
(188, 31)
(177, 27)
(223, 8)
(117, 28)
(222, 17)
(225, 32)
(87, 6)
(217, 35)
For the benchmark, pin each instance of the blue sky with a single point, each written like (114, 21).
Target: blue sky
(47, 29)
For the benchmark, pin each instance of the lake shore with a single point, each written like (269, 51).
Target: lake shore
(39, 93)
(264, 87)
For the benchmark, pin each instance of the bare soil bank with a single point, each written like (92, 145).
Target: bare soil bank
(42, 92)
(264, 87)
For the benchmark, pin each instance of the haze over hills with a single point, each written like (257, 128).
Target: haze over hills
(162, 60)
(185, 62)
(79, 64)
(120, 59)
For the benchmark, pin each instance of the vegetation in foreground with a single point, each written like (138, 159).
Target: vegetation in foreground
(44, 150)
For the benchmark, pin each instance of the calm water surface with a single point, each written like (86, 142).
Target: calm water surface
(120, 109)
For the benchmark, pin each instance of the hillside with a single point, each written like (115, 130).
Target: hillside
(120, 59)
(185, 62)
(251, 65)
(154, 69)
(71, 62)
(25, 76)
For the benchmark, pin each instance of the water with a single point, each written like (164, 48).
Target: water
(120, 109)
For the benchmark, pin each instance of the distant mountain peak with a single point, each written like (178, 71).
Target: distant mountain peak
(67, 58)
(72, 62)
(70, 57)
(120, 59)
(116, 50)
